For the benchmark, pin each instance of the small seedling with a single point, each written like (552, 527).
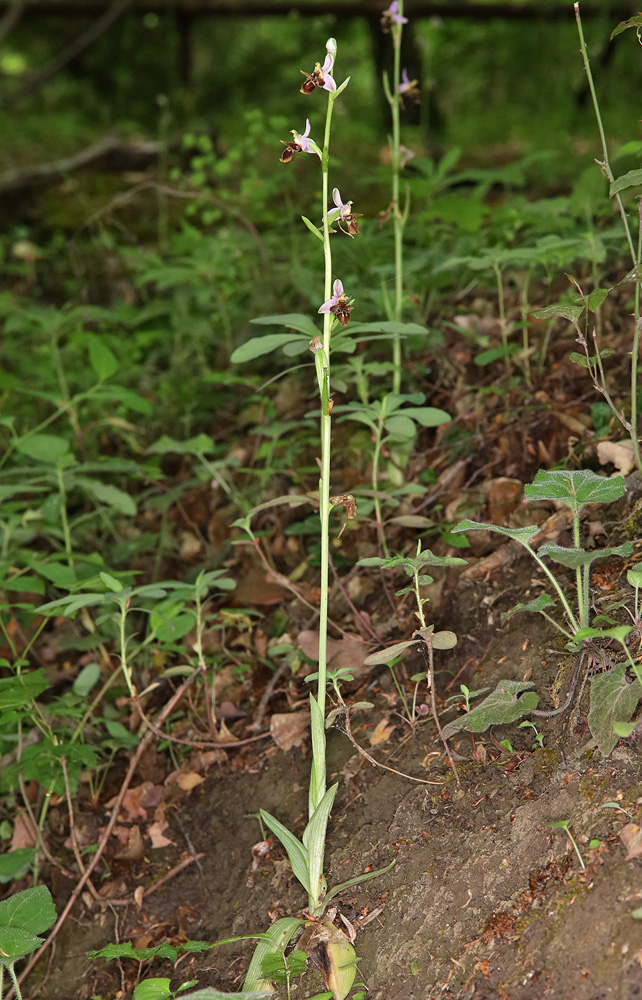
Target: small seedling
(565, 824)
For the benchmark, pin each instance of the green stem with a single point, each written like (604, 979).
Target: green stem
(605, 153)
(318, 763)
(398, 221)
(635, 353)
(560, 593)
(14, 980)
(502, 316)
(60, 477)
(123, 645)
(375, 479)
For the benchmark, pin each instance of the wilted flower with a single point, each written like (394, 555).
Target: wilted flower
(344, 215)
(392, 16)
(320, 76)
(338, 305)
(408, 87)
(301, 144)
(405, 156)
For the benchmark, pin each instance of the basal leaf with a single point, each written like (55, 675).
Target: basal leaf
(295, 850)
(509, 701)
(293, 321)
(613, 700)
(538, 604)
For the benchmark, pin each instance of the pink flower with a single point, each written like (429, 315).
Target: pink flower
(392, 16)
(338, 305)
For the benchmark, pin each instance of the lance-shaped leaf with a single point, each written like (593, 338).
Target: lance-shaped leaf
(278, 936)
(613, 700)
(575, 558)
(296, 852)
(508, 702)
(266, 344)
(574, 487)
(314, 839)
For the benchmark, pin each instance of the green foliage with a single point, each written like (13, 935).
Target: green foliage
(23, 917)
(508, 702)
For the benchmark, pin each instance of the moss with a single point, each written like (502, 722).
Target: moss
(592, 785)
(546, 760)
(632, 528)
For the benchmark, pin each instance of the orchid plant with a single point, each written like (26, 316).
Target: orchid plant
(392, 21)
(307, 855)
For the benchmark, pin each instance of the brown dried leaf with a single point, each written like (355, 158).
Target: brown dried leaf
(289, 729)
(631, 837)
(381, 733)
(156, 834)
(620, 453)
(134, 849)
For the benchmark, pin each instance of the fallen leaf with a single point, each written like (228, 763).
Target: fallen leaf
(188, 780)
(24, 832)
(134, 849)
(156, 834)
(381, 733)
(503, 497)
(133, 799)
(619, 453)
(631, 837)
(289, 729)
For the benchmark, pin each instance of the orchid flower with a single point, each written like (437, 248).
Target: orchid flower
(409, 87)
(300, 144)
(321, 75)
(338, 305)
(343, 214)
(392, 16)
(342, 209)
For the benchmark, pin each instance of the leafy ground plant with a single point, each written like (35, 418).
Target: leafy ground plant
(23, 917)
(613, 700)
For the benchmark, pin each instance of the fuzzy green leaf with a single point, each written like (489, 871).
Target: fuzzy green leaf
(521, 535)
(508, 702)
(574, 487)
(538, 604)
(575, 558)
(388, 654)
(613, 700)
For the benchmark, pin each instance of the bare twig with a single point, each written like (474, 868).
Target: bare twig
(10, 18)
(82, 42)
(376, 763)
(427, 645)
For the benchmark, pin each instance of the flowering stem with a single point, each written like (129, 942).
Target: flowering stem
(324, 481)
(398, 220)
